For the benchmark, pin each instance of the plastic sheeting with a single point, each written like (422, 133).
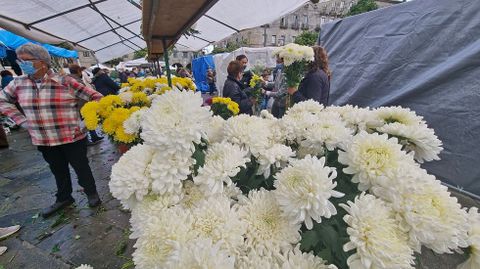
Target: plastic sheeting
(200, 67)
(13, 41)
(84, 26)
(256, 57)
(425, 55)
(239, 15)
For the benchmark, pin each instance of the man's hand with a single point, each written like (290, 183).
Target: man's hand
(292, 90)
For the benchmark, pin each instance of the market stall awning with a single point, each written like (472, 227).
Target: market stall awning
(166, 21)
(214, 20)
(109, 28)
(12, 41)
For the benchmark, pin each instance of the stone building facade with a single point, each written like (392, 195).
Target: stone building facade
(309, 17)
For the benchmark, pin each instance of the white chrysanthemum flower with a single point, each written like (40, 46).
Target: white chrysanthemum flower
(124, 89)
(304, 188)
(417, 138)
(328, 133)
(160, 234)
(169, 170)
(192, 194)
(175, 121)
(126, 97)
(253, 260)
(84, 266)
(267, 228)
(357, 119)
(295, 259)
(249, 132)
(372, 158)
(434, 218)
(375, 235)
(133, 123)
(277, 156)
(215, 129)
(200, 253)
(148, 91)
(266, 115)
(399, 114)
(130, 180)
(300, 118)
(217, 220)
(151, 205)
(222, 161)
(473, 261)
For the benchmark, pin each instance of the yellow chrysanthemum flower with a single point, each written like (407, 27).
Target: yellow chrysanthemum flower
(107, 104)
(256, 79)
(89, 114)
(123, 137)
(140, 98)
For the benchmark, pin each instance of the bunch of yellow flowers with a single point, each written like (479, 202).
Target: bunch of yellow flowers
(111, 111)
(158, 84)
(224, 107)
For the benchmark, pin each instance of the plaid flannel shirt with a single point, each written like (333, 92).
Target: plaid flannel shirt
(51, 109)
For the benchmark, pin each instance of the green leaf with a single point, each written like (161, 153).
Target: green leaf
(309, 240)
(55, 248)
(199, 156)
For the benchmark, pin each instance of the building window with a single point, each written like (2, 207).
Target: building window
(274, 39)
(305, 19)
(86, 54)
(283, 23)
(281, 41)
(185, 55)
(175, 54)
(295, 19)
(293, 38)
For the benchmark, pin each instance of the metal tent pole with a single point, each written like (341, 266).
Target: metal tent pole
(167, 64)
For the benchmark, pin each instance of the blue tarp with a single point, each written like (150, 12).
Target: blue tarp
(199, 68)
(12, 41)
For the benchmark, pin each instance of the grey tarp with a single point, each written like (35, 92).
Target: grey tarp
(425, 55)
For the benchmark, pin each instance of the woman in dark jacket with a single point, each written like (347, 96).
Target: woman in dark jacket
(103, 83)
(233, 88)
(316, 83)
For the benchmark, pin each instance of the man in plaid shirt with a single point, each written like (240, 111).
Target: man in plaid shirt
(50, 104)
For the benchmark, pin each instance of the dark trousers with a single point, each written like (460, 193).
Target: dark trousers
(3, 138)
(278, 111)
(75, 154)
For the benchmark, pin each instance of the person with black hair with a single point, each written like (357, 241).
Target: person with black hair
(103, 83)
(247, 74)
(7, 76)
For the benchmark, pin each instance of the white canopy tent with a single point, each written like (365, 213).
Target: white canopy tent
(109, 28)
(229, 16)
(256, 57)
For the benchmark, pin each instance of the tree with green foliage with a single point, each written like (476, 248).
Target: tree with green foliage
(114, 62)
(307, 38)
(231, 46)
(140, 53)
(362, 6)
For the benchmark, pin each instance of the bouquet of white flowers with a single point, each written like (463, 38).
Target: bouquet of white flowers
(323, 187)
(295, 58)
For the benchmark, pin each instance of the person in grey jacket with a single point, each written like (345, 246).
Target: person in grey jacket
(279, 92)
(316, 83)
(233, 88)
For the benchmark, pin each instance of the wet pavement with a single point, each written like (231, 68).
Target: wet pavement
(80, 235)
